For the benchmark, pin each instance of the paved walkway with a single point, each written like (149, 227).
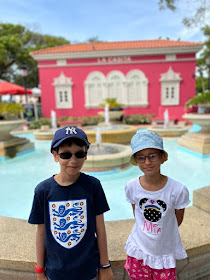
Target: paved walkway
(18, 252)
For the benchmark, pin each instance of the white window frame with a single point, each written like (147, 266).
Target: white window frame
(122, 93)
(140, 96)
(121, 98)
(170, 88)
(63, 92)
(90, 81)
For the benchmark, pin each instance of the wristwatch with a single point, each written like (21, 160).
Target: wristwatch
(105, 266)
(38, 269)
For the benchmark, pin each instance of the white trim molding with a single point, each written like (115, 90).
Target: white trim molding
(170, 88)
(118, 53)
(63, 92)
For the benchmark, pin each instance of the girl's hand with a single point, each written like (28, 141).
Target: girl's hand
(106, 274)
(41, 276)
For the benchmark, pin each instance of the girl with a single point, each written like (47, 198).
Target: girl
(158, 204)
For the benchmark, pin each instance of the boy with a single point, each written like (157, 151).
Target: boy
(68, 208)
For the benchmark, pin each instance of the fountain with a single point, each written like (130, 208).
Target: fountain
(107, 150)
(106, 156)
(199, 141)
(107, 114)
(120, 134)
(111, 132)
(11, 146)
(168, 130)
(166, 119)
(113, 115)
(53, 119)
(98, 138)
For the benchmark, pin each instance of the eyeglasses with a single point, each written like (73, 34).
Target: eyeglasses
(80, 154)
(151, 157)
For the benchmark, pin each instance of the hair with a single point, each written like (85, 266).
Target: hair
(70, 141)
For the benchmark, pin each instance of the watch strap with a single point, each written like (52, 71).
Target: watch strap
(105, 266)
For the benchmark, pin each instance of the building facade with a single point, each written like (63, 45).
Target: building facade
(145, 76)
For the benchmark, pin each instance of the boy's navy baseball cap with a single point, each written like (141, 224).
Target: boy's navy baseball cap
(144, 140)
(68, 132)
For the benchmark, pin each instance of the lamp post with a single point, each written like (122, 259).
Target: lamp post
(24, 74)
(207, 58)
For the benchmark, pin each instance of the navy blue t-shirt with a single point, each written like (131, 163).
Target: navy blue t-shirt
(69, 214)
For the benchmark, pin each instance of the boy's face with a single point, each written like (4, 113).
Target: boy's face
(149, 161)
(73, 165)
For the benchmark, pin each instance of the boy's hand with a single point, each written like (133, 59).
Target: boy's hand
(41, 276)
(105, 274)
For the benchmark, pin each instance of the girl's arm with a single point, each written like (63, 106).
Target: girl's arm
(133, 206)
(179, 215)
(40, 250)
(104, 274)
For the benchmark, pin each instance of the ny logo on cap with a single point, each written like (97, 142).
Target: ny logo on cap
(71, 130)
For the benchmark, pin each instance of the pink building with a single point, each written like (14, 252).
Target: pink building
(146, 76)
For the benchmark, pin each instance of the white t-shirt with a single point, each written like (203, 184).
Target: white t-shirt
(155, 237)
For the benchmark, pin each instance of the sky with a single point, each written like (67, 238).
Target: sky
(109, 20)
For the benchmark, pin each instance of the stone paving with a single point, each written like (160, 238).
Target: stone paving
(17, 244)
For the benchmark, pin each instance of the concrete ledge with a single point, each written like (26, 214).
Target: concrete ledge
(201, 199)
(17, 245)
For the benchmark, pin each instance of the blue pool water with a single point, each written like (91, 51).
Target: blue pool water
(20, 175)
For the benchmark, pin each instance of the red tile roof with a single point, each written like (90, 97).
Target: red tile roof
(102, 46)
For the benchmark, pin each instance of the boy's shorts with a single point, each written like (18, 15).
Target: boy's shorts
(96, 278)
(138, 271)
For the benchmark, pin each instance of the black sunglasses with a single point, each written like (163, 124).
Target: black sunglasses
(68, 155)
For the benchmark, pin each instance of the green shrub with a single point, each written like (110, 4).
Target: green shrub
(200, 98)
(138, 119)
(113, 104)
(68, 118)
(63, 119)
(36, 124)
(10, 110)
(93, 120)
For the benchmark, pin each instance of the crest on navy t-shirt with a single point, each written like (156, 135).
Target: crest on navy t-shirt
(68, 221)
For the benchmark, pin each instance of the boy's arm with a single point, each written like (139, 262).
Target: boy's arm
(40, 250)
(104, 274)
(179, 215)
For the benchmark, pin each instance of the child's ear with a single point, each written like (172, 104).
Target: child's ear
(55, 155)
(163, 158)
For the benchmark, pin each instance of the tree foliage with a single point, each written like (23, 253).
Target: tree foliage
(202, 83)
(201, 9)
(16, 42)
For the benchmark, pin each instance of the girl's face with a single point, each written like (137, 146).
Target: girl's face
(149, 161)
(73, 165)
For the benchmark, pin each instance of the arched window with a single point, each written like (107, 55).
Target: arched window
(116, 86)
(137, 88)
(170, 88)
(94, 89)
(63, 92)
